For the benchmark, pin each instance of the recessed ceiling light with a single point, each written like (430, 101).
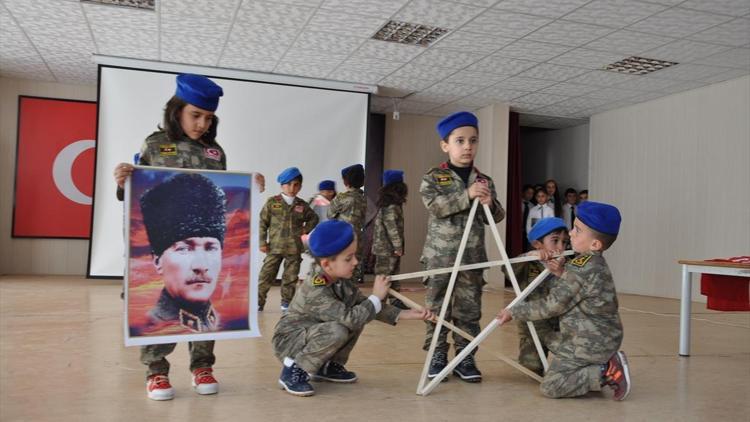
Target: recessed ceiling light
(138, 4)
(635, 65)
(409, 33)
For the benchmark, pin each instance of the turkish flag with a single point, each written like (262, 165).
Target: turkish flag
(54, 168)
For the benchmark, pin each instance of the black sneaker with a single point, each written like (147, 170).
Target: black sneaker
(334, 372)
(437, 364)
(467, 370)
(295, 381)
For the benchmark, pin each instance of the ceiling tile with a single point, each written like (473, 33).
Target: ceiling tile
(406, 83)
(474, 42)
(444, 14)
(505, 24)
(523, 84)
(111, 19)
(450, 88)
(414, 107)
(521, 107)
(255, 52)
(434, 97)
(495, 93)
(682, 51)
(685, 86)
(249, 35)
(40, 21)
(688, 72)
(345, 24)
(722, 7)
(325, 41)
(646, 83)
(195, 49)
(553, 72)
(614, 13)
(602, 78)
(501, 65)
(191, 25)
(628, 42)
(379, 9)
(358, 76)
(590, 59)
(388, 51)
(305, 3)
(426, 72)
(678, 22)
(735, 33)
(612, 94)
(558, 110)
(447, 58)
(310, 70)
(541, 99)
(531, 50)
(569, 33)
(271, 15)
(736, 57)
(214, 9)
(302, 55)
(569, 89)
(365, 64)
(548, 8)
(255, 64)
(472, 101)
(130, 43)
(448, 109)
(480, 79)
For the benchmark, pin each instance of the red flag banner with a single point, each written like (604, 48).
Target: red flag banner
(54, 168)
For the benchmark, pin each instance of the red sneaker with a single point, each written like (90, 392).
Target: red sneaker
(159, 388)
(204, 381)
(617, 376)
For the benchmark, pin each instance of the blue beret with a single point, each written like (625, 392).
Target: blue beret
(327, 185)
(330, 237)
(456, 120)
(199, 91)
(601, 217)
(546, 226)
(346, 170)
(392, 176)
(288, 175)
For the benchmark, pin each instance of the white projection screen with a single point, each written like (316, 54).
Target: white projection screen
(264, 127)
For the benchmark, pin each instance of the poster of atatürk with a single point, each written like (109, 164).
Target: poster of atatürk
(190, 274)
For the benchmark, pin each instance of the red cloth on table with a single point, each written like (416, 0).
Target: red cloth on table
(726, 292)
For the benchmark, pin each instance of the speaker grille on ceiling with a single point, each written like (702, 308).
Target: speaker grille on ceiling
(138, 4)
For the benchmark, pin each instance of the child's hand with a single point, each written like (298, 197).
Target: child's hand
(122, 172)
(264, 248)
(398, 252)
(423, 315)
(504, 316)
(260, 180)
(479, 190)
(556, 266)
(380, 286)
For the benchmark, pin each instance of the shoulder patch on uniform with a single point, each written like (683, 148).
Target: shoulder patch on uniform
(443, 179)
(167, 149)
(581, 260)
(318, 281)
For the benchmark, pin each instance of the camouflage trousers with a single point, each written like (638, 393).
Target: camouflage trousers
(311, 348)
(527, 353)
(464, 311)
(571, 377)
(388, 265)
(288, 278)
(358, 273)
(154, 356)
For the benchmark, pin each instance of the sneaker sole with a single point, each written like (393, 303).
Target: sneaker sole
(295, 393)
(339, 381)
(626, 370)
(432, 376)
(206, 389)
(159, 397)
(468, 378)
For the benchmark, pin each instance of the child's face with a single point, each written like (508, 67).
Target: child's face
(553, 242)
(195, 121)
(541, 198)
(528, 194)
(461, 146)
(582, 239)
(571, 198)
(292, 188)
(328, 194)
(550, 188)
(583, 197)
(343, 264)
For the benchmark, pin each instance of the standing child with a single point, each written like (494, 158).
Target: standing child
(553, 196)
(329, 313)
(448, 192)
(388, 234)
(351, 206)
(527, 196)
(585, 354)
(542, 209)
(283, 220)
(569, 208)
(583, 196)
(322, 200)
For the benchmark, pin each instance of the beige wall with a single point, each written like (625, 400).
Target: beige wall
(32, 256)
(677, 167)
(412, 144)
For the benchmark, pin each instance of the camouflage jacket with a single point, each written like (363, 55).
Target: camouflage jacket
(388, 233)
(318, 300)
(281, 226)
(349, 206)
(585, 301)
(159, 150)
(526, 272)
(447, 200)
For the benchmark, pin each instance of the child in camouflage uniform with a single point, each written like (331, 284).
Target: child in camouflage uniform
(448, 192)
(351, 206)
(388, 233)
(283, 220)
(328, 313)
(585, 353)
(548, 234)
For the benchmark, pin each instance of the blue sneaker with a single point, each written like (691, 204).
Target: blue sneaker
(467, 370)
(437, 364)
(334, 372)
(295, 381)
(284, 307)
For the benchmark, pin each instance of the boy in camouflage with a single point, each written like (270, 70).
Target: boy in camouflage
(448, 192)
(283, 220)
(585, 354)
(329, 312)
(548, 234)
(388, 233)
(351, 206)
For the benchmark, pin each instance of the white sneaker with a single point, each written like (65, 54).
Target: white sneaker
(159, 388)
(204, 381)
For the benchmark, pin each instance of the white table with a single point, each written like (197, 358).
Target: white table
(701, 267)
